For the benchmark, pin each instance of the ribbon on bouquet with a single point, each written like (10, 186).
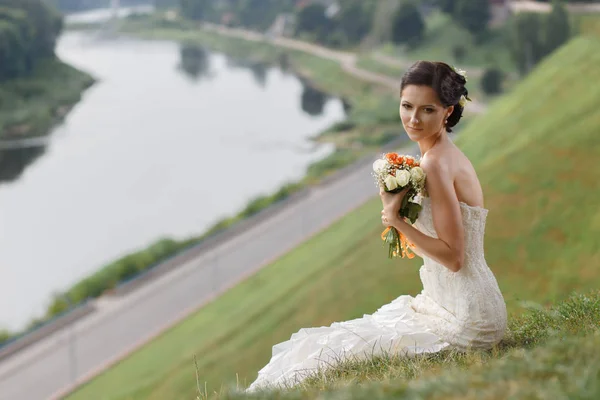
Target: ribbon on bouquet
(403, 247)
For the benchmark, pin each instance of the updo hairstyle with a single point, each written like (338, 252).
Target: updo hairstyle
(447, 83)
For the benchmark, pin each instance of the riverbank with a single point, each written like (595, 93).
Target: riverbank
(31, 106)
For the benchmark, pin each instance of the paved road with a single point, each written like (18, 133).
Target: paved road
(121, 324)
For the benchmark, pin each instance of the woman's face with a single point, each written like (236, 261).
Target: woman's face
(422, 113)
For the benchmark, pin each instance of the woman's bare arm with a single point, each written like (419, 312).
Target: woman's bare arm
(448, 248)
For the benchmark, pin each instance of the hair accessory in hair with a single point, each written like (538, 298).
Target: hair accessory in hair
(463, 100)
(461, 72)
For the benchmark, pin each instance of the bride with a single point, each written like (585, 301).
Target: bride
(460, 306)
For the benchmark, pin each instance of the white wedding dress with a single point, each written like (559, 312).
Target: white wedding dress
(455, 310)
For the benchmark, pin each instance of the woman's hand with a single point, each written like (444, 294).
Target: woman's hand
(391, 206)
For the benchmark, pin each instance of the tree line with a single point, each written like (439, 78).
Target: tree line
(530, 37)
(345, 25)
(28, 33)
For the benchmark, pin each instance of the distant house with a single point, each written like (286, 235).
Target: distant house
(332, 7)
(500, 10)
(227, 19)
(300, 4)
(283, 25)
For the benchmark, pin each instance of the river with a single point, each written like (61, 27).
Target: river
(155, 148)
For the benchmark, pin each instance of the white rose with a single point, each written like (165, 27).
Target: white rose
(402, 177)
(417, 175)
(390, 182)
(380, 165)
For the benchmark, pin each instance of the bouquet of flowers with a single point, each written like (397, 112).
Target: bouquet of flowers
(394, 173)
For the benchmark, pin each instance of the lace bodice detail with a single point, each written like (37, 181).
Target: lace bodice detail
(473, 218)
(469, 301)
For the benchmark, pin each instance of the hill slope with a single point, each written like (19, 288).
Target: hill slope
(534, 152)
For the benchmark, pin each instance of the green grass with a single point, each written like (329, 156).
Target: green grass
(29, 106)
(367, 62)
(586, 24)
(535, 154)
(547, 354)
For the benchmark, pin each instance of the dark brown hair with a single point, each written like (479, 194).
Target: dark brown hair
(447, 83)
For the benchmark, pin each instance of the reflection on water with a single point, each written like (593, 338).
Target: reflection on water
(259, 70)
(313, 100)
(13, 161)
(194, 61)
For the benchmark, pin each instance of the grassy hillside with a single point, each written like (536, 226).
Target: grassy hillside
(564, 365)
(547, 354)
(534, 152)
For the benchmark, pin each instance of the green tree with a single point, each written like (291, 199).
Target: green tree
(409, 26)
(12, 51)
(355, 19)
(556, 28)
(46, 21)
(28, 32)
(447, 6)
(195, 10)
(312, 19)
(474, 15)
(525, 41)
(491, 80)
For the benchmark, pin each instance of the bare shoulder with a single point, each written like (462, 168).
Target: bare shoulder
(438, 160)
(448, 167)
(449, 159)
(437, 169)
(464, 177)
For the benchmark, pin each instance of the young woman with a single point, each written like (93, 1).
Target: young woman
(461, 306)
